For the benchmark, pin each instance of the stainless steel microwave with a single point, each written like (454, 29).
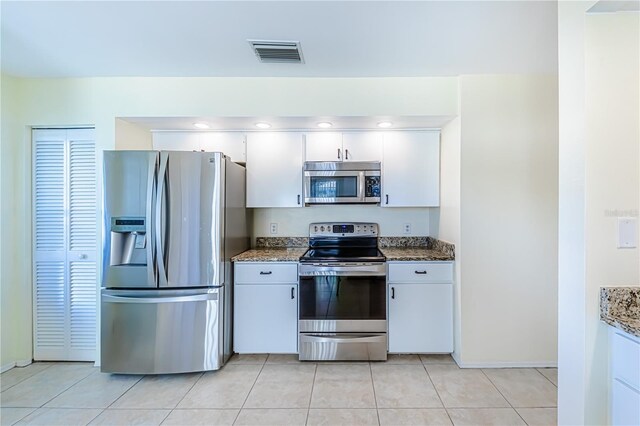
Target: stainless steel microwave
(349, 182)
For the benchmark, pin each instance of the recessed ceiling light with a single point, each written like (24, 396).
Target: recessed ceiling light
(385, 124)
(325, 125)
(201, 126)
(263, 125)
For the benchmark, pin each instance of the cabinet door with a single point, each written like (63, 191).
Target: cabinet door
(625, 404)
(231, 144)
(176, 141)
(265, 318)
(323, 146)
(274, 169)
(420, 318)
(411, 169)
(362, 146)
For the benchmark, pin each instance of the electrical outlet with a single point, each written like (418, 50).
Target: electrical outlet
(406, 228)
(273, 228)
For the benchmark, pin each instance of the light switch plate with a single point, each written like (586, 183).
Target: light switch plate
(627, 232)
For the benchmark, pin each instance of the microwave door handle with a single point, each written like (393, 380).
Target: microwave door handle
(362, 183)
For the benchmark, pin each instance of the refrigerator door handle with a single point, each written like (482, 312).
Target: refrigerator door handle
(152, 269)
(170, 299)
(160, 229)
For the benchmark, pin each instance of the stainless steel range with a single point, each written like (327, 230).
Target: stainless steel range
(342, 294)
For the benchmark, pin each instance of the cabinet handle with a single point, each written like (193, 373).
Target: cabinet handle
(265, 272)
(346, 154)
(338, 153)
(386, 199)
(393, 292)
(421, 272)
(293, 293)
(298, 199)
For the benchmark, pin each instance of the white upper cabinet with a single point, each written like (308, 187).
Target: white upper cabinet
(323, 146)
(176, 141)
(351, 146)
(411, 169)
(232, 144)
(362, 146)
(274, 169)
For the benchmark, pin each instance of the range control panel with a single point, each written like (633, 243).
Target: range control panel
(343, 229)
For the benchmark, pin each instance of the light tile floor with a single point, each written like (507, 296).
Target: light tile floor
(279, 390)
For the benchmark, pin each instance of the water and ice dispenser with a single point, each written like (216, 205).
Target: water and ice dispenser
(128, 241)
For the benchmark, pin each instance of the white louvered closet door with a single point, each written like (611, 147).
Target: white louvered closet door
(65, 244)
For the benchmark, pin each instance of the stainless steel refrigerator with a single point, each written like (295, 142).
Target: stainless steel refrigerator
(172, 221)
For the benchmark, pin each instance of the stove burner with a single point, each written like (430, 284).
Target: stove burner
(328, 243)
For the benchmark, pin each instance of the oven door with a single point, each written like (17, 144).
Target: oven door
(342, 312)
(334, 187)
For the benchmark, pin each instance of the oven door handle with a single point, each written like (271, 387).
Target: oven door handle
(371, 270)
(342, 338)
(341, 274)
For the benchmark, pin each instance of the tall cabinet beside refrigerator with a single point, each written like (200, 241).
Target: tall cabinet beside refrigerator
(172, 221)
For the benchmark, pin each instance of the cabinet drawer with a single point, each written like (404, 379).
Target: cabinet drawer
(626, 359)
(266, 273)
(420, 272)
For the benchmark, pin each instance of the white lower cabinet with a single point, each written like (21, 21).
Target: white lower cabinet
(625, 378)
(420, 307)
(265, 312)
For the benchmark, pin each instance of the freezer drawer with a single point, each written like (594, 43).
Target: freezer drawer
(161, 332)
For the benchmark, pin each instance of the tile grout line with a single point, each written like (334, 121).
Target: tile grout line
(538, 370)
(97, 415)
(437, 393)
(126, 391)
(67, 388)
(252, 386)
(27, 377)
(313, 384)
(505, 398)
(183, 397)
(373, 386)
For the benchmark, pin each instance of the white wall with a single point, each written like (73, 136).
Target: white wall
(612, 179)
(448, 214)
(132, 137)
(295, 222)
(15, 295)
(571, 242)
(99, 101)
(599, 180)
(508, 193)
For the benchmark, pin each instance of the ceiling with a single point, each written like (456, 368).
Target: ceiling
(289, 123)
(338, 38)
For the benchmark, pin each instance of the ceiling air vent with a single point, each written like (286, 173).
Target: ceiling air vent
(277, 51)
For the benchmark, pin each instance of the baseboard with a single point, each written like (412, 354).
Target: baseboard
(18, 363)
(543, 364)
(23, 362)
(7, 367)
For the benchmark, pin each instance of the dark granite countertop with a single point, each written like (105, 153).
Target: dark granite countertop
(415, 254)
(289, 249)
(620, 308)
(270, 254)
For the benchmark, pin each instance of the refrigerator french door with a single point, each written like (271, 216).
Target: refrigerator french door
(165, 305)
